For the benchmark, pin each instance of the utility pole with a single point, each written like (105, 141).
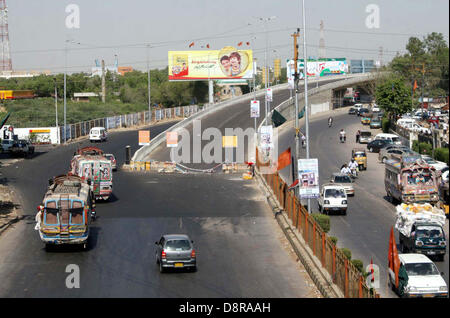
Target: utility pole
(103, 82)
(305, 73)
(297, 124)
(56, 110)
(148, 85)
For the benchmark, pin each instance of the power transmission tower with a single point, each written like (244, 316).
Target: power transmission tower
(6, 64)
(322, 54)
(380, 56)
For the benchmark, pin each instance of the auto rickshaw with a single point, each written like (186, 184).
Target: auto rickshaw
(366, 119)
(360, 157)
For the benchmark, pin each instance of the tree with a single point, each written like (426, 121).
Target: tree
(393, 96)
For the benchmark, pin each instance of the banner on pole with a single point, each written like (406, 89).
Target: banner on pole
(254, 109)
(308, 176)
(144, 137)
(269, 95)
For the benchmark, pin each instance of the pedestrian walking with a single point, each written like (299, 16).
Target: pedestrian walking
(358, 134)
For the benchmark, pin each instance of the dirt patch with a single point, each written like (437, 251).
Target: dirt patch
(8, 209)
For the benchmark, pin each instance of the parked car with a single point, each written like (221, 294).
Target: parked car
(395, 153)
(438, 165)
(375, 123)
(375, 108)
(352, 111)
(175, 251)
(391, 137)
(7, 144)
(111, 157)
(344, 181)
(365, 137)
(424, 279)
(418, 128)
(332, 198)
(376, 145)
(22, 147)
(98, 134)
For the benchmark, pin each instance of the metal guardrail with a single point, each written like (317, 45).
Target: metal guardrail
(343, 273)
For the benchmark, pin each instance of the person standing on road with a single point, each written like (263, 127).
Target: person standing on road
(358, 134)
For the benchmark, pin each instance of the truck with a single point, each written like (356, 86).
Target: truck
(66, 211)
(420, 228)
(89, 163)
(409, 179)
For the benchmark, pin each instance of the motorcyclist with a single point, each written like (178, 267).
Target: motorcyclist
(353, 166)
(342, 135)
(345, 170)
(303, 141)
(330, 121)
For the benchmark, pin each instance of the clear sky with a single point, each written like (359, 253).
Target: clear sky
(37, 29)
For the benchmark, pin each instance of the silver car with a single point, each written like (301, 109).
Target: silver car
(344, 181)
(384, 155)
(175, 251)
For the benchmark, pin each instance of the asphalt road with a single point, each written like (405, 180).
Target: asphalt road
(241, 250)
(366, 227)
(236, 116)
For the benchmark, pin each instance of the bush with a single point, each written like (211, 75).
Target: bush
(347, 253)
(385, 125)
(441, 154)
(358, 264)
(422, 147)
(323, 221)
(333, 239)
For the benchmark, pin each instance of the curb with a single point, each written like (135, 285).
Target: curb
(320, 277)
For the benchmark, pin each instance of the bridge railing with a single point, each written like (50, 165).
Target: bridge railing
(342, 272)
(80, 129)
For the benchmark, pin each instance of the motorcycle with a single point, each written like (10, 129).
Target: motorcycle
(342, 138)
(330, 122)
(354, 173)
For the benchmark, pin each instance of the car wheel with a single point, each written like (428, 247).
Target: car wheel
(371, 149)
(440, 258)
(384, 160)
(194, 269)
(161, 268)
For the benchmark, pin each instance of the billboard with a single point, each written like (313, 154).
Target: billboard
(227, 63)
(320, 67)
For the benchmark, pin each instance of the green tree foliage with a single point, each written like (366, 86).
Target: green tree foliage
(393, 96)
(426, 62)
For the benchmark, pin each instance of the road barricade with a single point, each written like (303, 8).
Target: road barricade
(344, 274)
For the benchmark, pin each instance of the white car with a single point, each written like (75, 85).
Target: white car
(332, 198)
(98, 134)
(424, 279)
(420, 129)
(375, 109)
(438, 165)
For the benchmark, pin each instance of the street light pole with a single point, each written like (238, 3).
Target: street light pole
(305, 73)
(65, 91)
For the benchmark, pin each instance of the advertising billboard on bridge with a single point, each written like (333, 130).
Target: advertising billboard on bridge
(227, 63)
(320, 67)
